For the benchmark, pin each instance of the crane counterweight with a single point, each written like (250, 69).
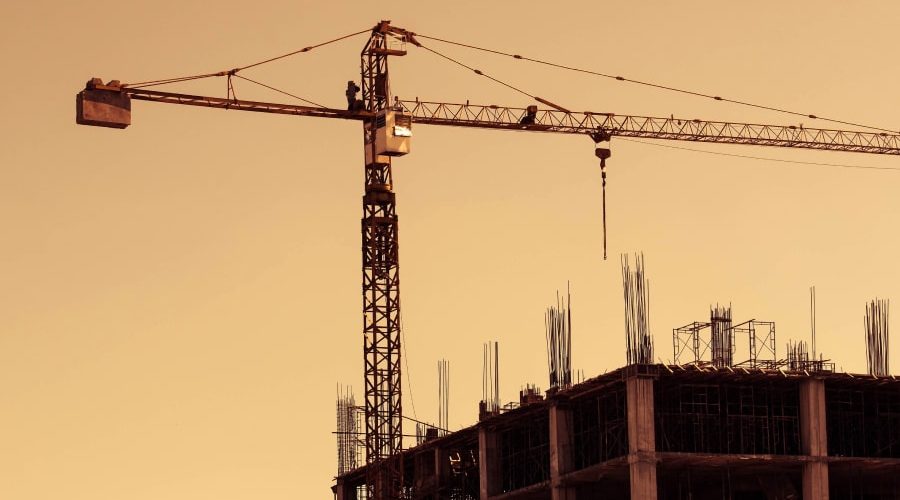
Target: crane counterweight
(103, 105)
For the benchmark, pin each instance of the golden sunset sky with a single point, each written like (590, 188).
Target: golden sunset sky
(179, 299)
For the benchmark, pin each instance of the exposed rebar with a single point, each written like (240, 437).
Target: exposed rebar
(876, 323)
(558, 329)
(636, 288)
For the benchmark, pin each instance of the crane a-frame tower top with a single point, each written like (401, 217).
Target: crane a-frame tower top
(387, 125)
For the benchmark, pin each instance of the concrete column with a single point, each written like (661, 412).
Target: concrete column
(344, 491)
(814, 439)
(441, 467)
(641, 437)
(488, 463)
(560, 452)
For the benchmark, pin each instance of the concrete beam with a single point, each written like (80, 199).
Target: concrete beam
(641, 437)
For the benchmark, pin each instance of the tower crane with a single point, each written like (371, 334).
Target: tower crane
(387, 128)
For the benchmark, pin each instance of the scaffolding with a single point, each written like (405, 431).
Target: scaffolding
(348, 434)
(690, 345)
(761, 339)
(762, 418)
(525, 453)
(599, 427)
(862, 422)
(464, 483)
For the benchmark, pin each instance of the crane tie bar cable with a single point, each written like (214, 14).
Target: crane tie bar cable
(234, 71)
(476, 71)
(279, 91)
(656, 85)
(304, 49)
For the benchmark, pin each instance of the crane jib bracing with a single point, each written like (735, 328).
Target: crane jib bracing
(386, 131)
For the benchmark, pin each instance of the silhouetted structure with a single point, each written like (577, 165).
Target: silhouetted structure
(672, 432)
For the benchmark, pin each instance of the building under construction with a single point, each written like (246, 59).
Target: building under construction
(706, 427)
(653, 431)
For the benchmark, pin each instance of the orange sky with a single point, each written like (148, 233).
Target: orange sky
(180, 299)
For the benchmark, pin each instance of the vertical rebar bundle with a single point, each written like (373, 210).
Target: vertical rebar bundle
(443, 395)
(347, 430)
(812, 318)
(798, 356)
(722, 336)
(636, 287)
(876, 322)
(490, 377)
(558, 328)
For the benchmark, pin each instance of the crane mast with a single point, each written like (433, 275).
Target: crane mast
(381, 283)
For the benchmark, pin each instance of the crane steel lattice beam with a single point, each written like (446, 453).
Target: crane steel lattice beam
(500, 117)
(508, 118)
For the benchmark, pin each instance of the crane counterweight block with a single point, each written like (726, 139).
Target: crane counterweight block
(103, 106)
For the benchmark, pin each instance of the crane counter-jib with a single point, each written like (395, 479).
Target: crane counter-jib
(110, 106)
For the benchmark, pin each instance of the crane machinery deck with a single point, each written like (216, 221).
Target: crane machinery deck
(387, 128)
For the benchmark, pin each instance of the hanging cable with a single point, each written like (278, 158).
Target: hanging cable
(603, 154)
(603, 176)
(656, 85)
(748, 157)
(232, 72)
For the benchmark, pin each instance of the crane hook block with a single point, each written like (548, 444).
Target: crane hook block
(103, 106)
(603, 153)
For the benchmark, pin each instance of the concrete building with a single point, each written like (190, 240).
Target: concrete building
(671, 432)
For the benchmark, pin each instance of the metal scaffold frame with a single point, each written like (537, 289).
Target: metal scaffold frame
(762, 418)
(525, 453)
(862, 423)
(600, 427)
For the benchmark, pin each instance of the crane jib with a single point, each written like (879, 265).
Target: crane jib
(110, 106)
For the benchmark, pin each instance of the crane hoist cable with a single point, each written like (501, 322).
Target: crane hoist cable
(602, 153)
(656, 85)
